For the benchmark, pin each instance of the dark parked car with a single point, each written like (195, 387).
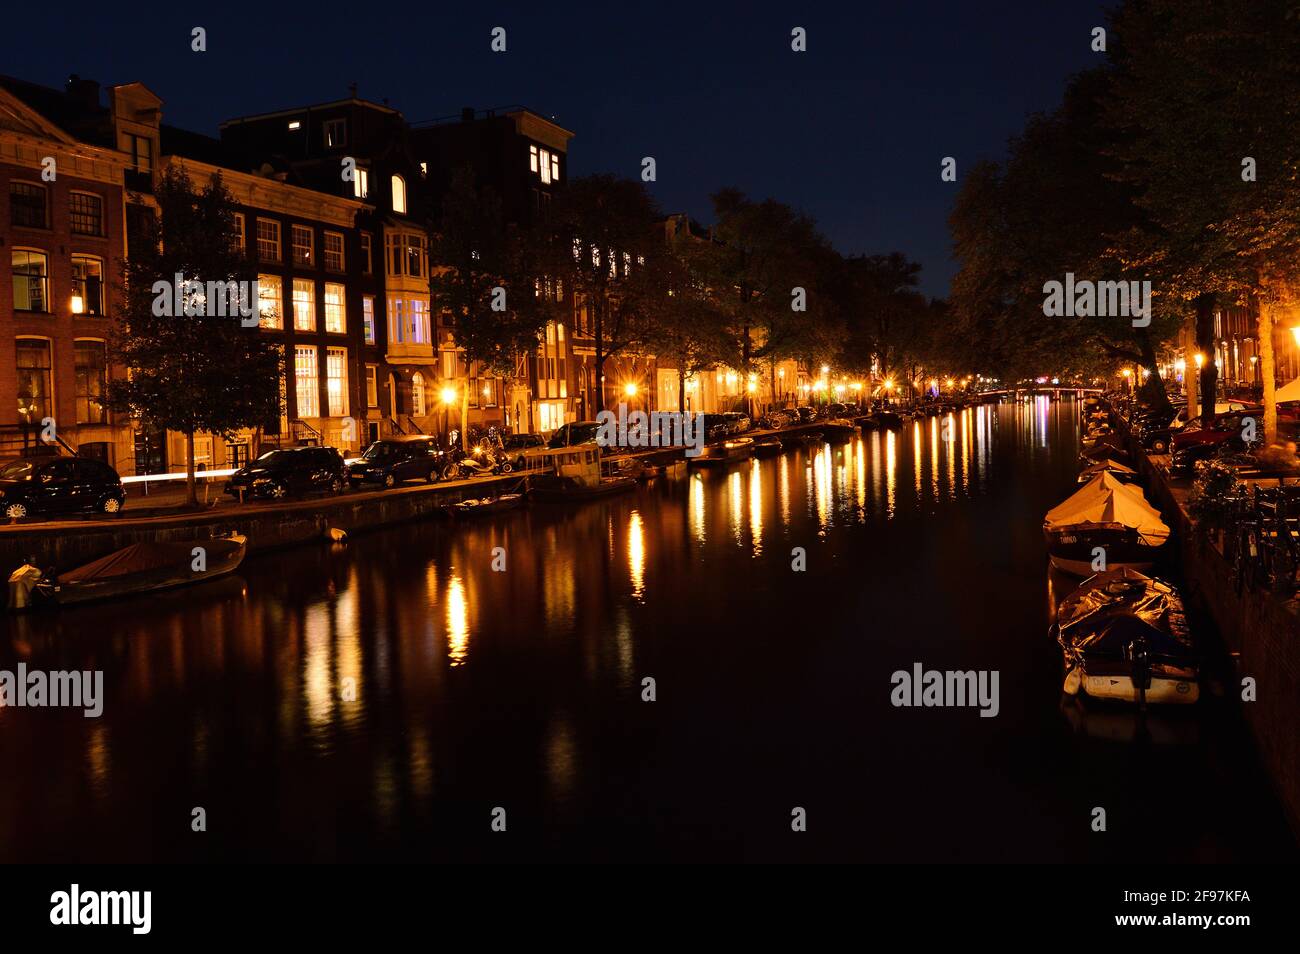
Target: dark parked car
(716, 427)
(737, 423)
(806, 414)
(48, 486)
(291, 471)
(1217, 430)
(396, 459)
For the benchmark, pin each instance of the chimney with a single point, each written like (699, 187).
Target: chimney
(467, 114)
(84, 93)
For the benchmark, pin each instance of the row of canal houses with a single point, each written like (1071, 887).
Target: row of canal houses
(343, 267)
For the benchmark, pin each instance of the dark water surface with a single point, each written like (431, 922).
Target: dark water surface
(522, 689)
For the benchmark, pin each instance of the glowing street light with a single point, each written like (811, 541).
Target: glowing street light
(630, 389)
(1295, 332)
(448, 395)
(1200, 361)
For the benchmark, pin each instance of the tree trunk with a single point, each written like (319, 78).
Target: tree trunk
(1191, 391)
(599, 388)
(1265, 321)
(1153, 388)
(1205, 345)
(191, 488)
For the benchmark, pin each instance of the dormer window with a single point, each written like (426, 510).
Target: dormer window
(399, 195)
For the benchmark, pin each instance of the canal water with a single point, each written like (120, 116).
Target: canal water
(381, 699)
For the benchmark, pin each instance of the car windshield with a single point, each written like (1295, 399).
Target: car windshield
(275, 458)
(376, 450)
(16, 470)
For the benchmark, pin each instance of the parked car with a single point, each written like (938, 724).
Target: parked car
(574, 433)
(806, 414)
(716, 427)
(48, 486)
(393, 460)
(290, 471)
(521, 447)
(1217, 430)
(736, 422)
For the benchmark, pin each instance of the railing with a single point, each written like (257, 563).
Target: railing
(304, 433)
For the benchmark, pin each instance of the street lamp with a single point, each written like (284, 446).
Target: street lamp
(630, 389)
(1295, 333)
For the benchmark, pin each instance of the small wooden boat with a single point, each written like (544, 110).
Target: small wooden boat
(728, 452)
(484, 506)
(768, 447)
(1125, 638)
(144, 568)
(577, 477)
(1107, 518)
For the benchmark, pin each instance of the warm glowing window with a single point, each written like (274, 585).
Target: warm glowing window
(304, 304)
(417, 394)
(361, 183)
(91, 381)
(396, 332)
(336, 380)
(399, 195)
(368, 317)
(306, 381)
(335, 308)
(270, 301)
(419, 316)
(372, 386)
(532, 158)
(87, 285)
(31, 280)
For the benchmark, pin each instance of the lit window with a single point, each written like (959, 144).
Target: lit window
(372, 386)
(532, 158)
(302, 245)
(368, 317)
(304, 304)
(306, 381)
(336, 380)
(31, 280)
(91, 379)
(546, 166)
(295, 124)
(335, 309)
(270, 301)
(333, 252)
(417, 394)
(268, 240)
(399, 195)
(32, 359)
(361, 184)
(555, 167)
(396, 332)
(419, 315)
(87, 285)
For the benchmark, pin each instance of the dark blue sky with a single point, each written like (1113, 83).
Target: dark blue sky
(851, 131)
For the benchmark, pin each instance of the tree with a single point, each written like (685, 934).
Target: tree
(605, 231)
(198, 367)
(1208, 99)
(488, 276)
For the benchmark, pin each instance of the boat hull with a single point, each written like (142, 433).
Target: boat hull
(163, 578)
(578, 492)
(1073, 549)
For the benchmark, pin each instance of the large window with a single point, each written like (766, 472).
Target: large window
(407, 254)
(268, 240)
(335, 309)
(333, 252)
(31, 280)
(419, 314)
(304, 304)
(302, 244)
(33, 364)
(372, 386)
(545, 163)
(90, 382)
(141, 151)
(28, 204)
(336, 380)
(87, 285)
(361, 184)
(86, 213)
(399, 195)
(368, 317)
(396, 329)
(306, 381)
(270, 301)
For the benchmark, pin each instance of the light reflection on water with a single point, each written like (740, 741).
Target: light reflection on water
(460, 673)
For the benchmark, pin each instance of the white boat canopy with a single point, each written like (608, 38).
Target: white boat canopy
(1105, 500)
(1290, 392)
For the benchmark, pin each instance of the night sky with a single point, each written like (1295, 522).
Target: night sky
(851, 131)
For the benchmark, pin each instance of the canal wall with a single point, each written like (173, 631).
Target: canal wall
(268, 526)
(1260, 631)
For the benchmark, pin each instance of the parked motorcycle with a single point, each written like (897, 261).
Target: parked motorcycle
(486, 457)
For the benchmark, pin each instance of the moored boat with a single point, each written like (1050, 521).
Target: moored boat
(577, 477)
(726, 452)
(838, 429)
(768, 447)
(1106, 524)
(484, 506)
(144, 568)
(1125, 638)
(1121, 472)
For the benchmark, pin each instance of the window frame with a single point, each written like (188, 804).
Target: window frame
(73, 195)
